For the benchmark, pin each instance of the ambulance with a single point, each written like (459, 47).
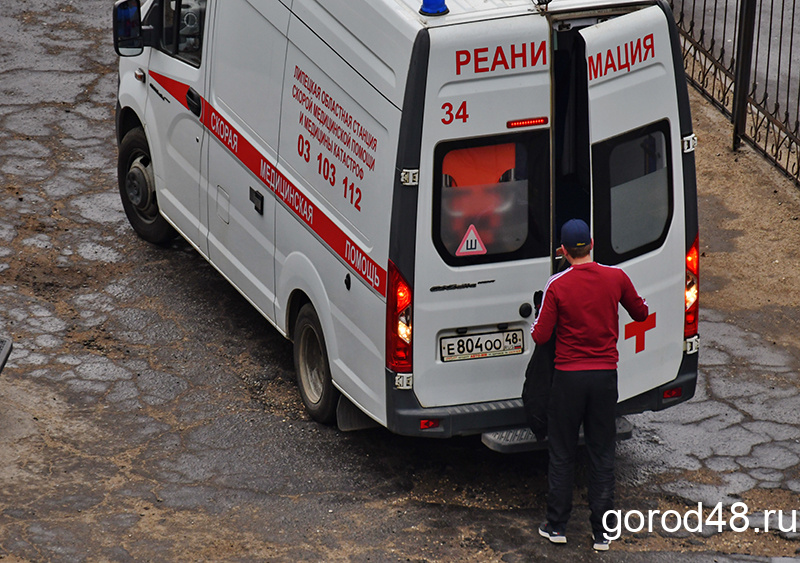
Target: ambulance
(385, 182)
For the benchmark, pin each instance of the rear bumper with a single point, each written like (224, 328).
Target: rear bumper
(408, 418)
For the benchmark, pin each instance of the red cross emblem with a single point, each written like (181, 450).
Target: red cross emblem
(638, 330)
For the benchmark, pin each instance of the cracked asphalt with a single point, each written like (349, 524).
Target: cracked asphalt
(148, 413)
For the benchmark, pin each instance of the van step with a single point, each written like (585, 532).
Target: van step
(516, 440)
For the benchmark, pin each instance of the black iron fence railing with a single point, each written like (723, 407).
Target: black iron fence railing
(744, 56)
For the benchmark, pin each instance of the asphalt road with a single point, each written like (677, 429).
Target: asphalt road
(148, 413)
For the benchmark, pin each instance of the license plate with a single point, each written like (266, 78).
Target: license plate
(486, 345)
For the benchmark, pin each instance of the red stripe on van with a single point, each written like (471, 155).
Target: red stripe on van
(293, 198)
(177, 90)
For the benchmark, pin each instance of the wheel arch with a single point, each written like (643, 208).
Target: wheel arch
(126, 120)
(299, 281)
(297, 299)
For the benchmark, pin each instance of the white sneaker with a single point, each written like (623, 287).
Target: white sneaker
(601, 543)
(547, 531)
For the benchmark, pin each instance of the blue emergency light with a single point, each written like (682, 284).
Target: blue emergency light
(433, 8)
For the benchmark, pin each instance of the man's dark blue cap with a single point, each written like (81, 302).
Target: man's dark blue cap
(575, 234)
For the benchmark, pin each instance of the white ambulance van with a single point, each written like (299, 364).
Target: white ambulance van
(385, 181)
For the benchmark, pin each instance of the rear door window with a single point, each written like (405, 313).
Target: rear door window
(632, 193)
(491, 199)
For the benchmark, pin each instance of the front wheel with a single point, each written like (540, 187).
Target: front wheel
(319, 395)
(137, 188)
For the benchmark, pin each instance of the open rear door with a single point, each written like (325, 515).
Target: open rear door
(637, 190)
(483, 220)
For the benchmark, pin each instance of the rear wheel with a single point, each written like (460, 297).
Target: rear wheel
(137, 188)
(319, 395)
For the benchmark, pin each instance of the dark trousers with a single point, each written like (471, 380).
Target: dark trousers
(588, 397)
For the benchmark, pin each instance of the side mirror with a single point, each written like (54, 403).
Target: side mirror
(128, 40)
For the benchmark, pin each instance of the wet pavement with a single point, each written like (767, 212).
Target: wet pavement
(148, 413)
(747, 429)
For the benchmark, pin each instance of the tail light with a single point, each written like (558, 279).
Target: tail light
(429, 423)
(399, 306)
(529, 122)
(692, 289)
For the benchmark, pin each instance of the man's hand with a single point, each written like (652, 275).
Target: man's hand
(537, 301)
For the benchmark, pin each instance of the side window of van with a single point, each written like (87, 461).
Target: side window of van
(633, 193)
(491, 199)
(183, 29)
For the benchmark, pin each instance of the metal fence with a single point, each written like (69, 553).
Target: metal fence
(744, 55)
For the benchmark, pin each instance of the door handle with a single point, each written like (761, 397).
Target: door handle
(194, 102)
(257, 199)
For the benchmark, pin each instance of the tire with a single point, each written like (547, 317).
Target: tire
(138, 191)
(311, 365)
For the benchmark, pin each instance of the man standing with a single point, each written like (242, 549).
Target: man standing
(582, 305)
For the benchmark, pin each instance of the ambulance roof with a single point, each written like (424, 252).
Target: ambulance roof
(467, 6)
(461, 10)
(376, 37)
